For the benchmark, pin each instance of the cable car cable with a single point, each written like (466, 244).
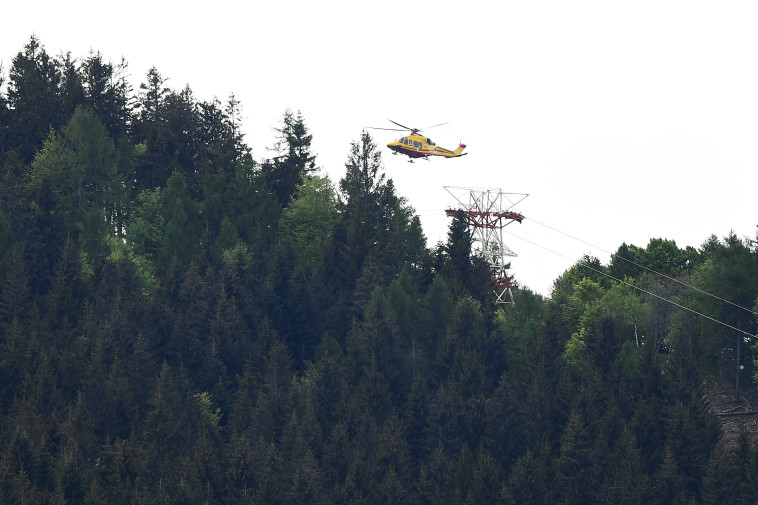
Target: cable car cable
(531, 219)
(750, 335)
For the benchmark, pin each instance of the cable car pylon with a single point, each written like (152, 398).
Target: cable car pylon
(487, 212)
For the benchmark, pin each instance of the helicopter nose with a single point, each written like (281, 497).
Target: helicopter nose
(393, 145)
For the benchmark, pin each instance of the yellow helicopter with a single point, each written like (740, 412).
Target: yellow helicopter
(415, 145)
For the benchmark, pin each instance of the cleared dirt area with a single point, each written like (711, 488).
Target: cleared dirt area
(735, 414)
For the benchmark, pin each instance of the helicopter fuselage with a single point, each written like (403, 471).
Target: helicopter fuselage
(418, 146)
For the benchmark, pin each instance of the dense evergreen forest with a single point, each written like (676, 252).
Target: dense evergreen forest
(180, 323)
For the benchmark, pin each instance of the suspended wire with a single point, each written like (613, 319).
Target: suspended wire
(587, 266)
(534, 256)
(649, 269)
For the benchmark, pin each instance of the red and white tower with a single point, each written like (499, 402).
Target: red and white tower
(488, 211)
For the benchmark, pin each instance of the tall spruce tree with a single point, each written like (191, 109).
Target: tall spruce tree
(356, 235)
(33, 98)
(293, 160)
(106, 93)
(72, 94)
(152, 169)
(4, 114)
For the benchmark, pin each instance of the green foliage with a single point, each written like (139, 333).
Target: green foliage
(294, 161)
(519, 327)
(586, 268)
(181, 325)
(208, 411)
(726, 288)
(457, 267)
(582, 303)
(629, 359)
(33, 88)
(7, 242)
(146, 227)
(404, 306)
(79, 164)
(182, 232)
(363, 181)
(438, 307)
(227, 236)
(574, 354)
(307, 222)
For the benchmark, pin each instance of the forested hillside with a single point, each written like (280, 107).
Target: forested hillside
(180, 323)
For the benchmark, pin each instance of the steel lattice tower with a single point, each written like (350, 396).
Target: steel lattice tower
(487, 212)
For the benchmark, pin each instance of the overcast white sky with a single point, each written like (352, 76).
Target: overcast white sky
(623, 121)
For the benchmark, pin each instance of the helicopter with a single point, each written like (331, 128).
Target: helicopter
(415, 145)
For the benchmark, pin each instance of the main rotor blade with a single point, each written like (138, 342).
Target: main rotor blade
(403, 126)
(389, 129)
(417, 129)
(427, 127)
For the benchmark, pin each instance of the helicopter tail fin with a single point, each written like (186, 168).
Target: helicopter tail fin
(459, 150)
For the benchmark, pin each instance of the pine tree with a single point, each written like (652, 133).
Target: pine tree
(691, 429)
(80, 166)
(182, 233)
(4, 115)
(625, 483)
(294, 160)
(575, 476)
(356, 236)
(307, 222)
(466, 275)
(33, 99)
(153, 162)
(219, 141)
(14, 288)
(529, 480)
(104, 97)
(71, 88)
(405, 307)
